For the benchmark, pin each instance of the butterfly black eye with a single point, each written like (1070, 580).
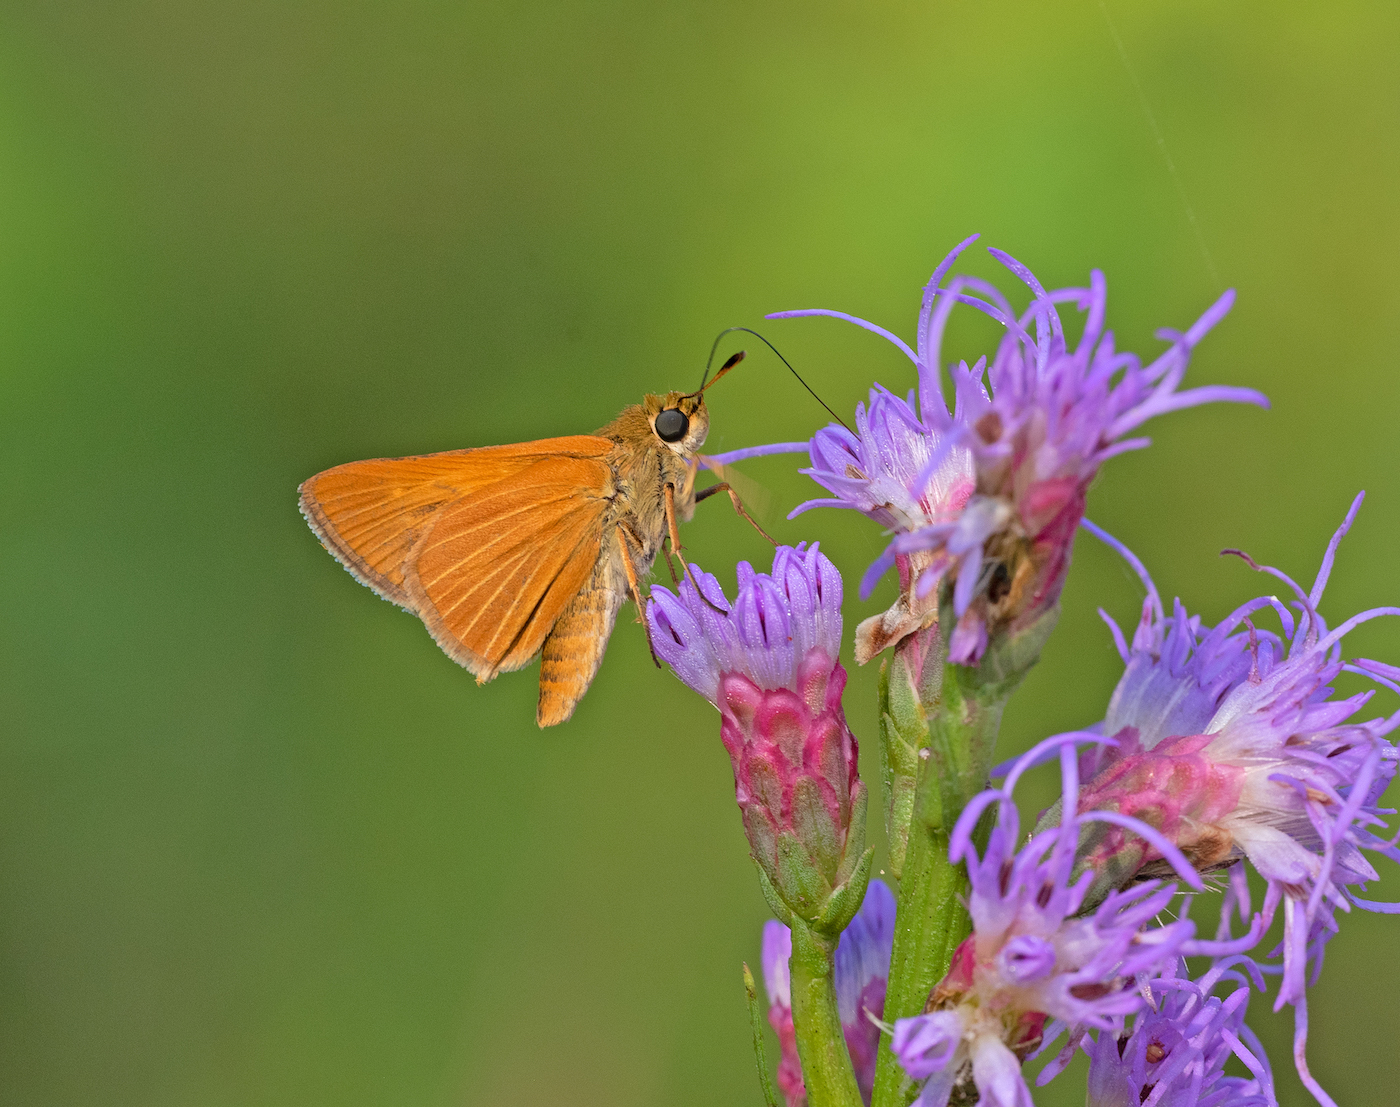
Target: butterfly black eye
(671, 425)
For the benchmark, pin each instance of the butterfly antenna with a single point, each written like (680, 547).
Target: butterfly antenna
(729, 364)
(733, 361)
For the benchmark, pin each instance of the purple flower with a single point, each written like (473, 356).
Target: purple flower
(989, 493)
(769, 663)
(862, 970)
(1231, 742)
(1035, 951)
(1175, 1054)
(879, 470)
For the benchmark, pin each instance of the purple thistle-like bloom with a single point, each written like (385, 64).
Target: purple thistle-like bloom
(1035, 952)
(989, 493)
(1175, 1054)
(769, 663)
(879, 470)
(862, 971)
(1231, 744)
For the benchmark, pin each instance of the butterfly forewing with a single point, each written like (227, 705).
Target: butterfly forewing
(487, 546)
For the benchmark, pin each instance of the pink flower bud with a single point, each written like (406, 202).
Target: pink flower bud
(769, 663)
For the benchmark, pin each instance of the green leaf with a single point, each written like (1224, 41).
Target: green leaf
(903, 731)
(770, 1097)
(815, 826)
(855, 834)
(801, 884)
(845, 901)
(770, 893)
(762, 835)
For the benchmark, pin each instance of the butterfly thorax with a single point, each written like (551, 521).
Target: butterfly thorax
(643, 465)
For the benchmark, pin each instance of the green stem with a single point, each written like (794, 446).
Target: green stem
(910, 685)
(821, 1042)
(929, 924)
(931, 920)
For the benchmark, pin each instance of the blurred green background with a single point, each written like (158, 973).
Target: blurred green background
(260, 841)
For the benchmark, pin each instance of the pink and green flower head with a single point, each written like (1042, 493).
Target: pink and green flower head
(987, 493)
(1231, 743)
(1036, 951)
(768, 661)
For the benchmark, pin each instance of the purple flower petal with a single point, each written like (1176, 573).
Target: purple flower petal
(773, 623)
(777, 951)
(925, 1044)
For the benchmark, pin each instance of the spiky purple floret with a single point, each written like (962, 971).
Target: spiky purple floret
(1175, 1053)
(1176, 672)
(1032, 954)
(1032, 891)
(774, 623)
(1289, 781)
(1031, 429)
(879, 469)
(862, 971)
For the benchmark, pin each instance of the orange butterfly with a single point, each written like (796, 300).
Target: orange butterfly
(506, 552)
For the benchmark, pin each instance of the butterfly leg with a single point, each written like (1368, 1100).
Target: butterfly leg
(666, 553)
(675, 537)
(671, 544)
(723, 486)
(672, 529)
(624, 536)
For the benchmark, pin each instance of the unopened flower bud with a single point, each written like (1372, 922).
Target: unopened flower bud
(768, 661)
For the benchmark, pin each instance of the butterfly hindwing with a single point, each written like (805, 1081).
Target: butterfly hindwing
(498, 567)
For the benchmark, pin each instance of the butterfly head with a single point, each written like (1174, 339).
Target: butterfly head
(678, 420)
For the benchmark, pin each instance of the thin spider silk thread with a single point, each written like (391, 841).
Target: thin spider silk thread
(1161, 145)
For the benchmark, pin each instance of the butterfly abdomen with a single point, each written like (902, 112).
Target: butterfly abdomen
(574, 647)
